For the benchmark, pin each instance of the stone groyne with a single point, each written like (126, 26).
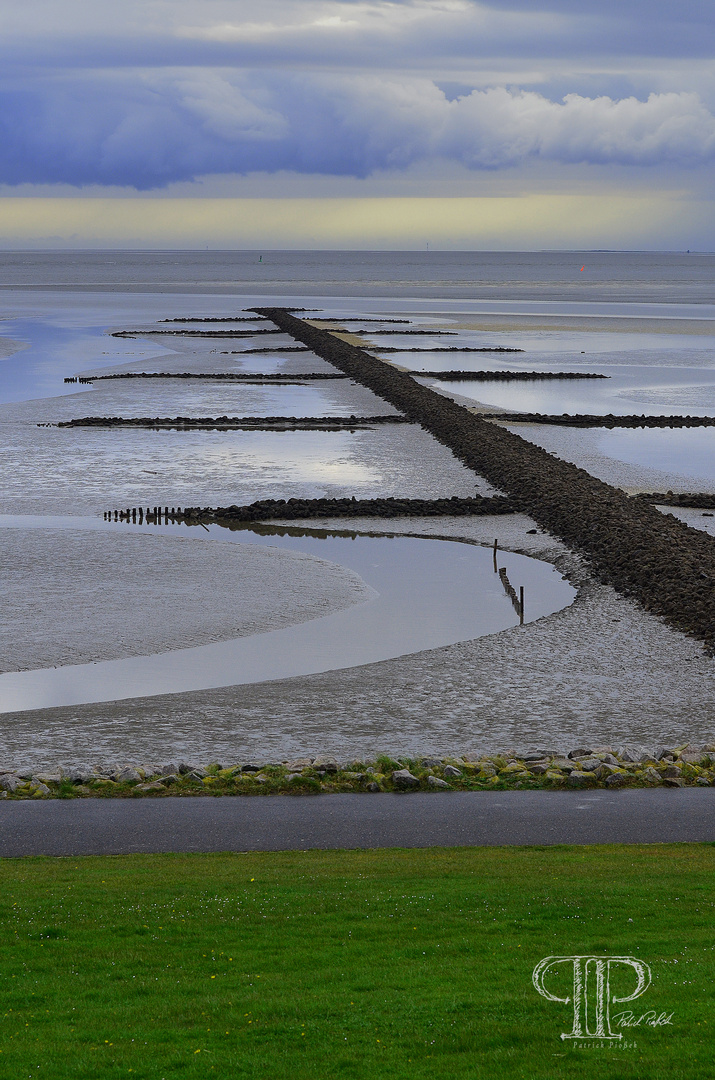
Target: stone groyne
(667, 567)
(304, 509)
(442, 348)
(607, 420)
(214, 376)
(323, 423)
(190, 333)
(695, 499)
(501, 376)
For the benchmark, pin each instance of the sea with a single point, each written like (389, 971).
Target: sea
(646, 320)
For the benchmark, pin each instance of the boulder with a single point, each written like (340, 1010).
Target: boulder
(80, 775)
(589, 764)
(510, 769)
(631, 754)
(671, 772)
(127, 775)
(616, 780)
(326, 764)
(10, 782)
(435, 782)
(577, 778)
(651, 775)
(605, 770)
(430, 763)
(674, 781)
(451, 773)
(578, 753)
(404, 780)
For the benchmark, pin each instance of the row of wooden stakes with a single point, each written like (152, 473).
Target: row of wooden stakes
(517, 601)
(137, 515)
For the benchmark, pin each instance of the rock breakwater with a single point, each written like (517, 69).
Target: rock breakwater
(667, 567)
(300, 509)
(502, 376)
(602, 420)
(227, 423)
(215, 376)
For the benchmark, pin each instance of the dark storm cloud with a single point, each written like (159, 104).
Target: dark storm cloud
(149, 132)
(152, 94)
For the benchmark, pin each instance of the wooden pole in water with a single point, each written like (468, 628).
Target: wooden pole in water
(496, 545)
(521, 605)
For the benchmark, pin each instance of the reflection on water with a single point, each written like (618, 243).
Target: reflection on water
(56, 351)
(629, 389)
(429, 593)
(684, 451)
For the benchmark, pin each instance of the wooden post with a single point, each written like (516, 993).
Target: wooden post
(496, 545)
(521, 605)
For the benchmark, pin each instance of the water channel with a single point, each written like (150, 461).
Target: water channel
(427, 593)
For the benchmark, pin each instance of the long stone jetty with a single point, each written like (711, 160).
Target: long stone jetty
(667, 567)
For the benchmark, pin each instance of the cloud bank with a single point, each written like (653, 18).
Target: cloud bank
(147, 132)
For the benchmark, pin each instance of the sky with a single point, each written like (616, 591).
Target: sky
(357, 123)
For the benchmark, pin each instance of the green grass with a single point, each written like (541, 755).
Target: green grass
(321, 965)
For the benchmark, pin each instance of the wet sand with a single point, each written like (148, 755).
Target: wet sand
(602, 669)
(75, 597)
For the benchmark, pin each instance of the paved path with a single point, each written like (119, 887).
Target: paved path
(279, 823)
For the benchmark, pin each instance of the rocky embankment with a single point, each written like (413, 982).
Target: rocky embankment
(695, 499)
(214, 376)
(602, 767)
(389, 507)
(300, 509)
(217, 319)
(192, 333)
(440, 348)
(321, 423)
(602, 420)
(501, 376)
(651, 557)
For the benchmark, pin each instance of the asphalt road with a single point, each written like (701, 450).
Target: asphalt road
(280, 823)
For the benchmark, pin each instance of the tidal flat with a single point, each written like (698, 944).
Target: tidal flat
(600, 666)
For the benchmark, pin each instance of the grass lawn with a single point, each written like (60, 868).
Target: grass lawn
(312, 965)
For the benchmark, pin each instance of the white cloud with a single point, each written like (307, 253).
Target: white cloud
(496, 128)
(224, 109)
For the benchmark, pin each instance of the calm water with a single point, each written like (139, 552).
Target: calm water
(640, 277)
(428, 593)
(61, 304)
